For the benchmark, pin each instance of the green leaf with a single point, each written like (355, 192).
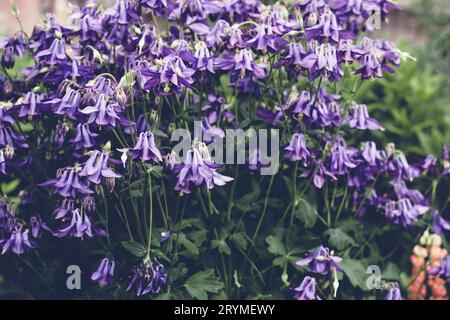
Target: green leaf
(355, 271)
(306, 213)
(188, 244)
(276, 246)
(135, 248)
(7, 188)
(221, 246)
(339, 239)
(200, 284)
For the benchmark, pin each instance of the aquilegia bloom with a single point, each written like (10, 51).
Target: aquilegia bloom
(320, 261)
(105, 273)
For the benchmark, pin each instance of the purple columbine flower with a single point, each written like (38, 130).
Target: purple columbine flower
(103, 113)
(60, 134)
(241, 65)
(148, 279)
(55, 54)
(319, 174)
(18, 242)
(146, 149)
(301, 104)
(306, 290)
(84, 138)
(104, 275)
(80, 225)
(32, 105)
(38, 226)
(320, 261)
(67, 182)
(404, 212)
(439, 223)
(12, 46)
(216, 106)
(205, 59)
(327, 27)
(96, 167)
(297, 150)
(443, 269)
(66, 208)
(342, 158)
(294, 57)
(198, 170)
(359, 118)
(323, 62)
(165, 74)
(429, 164)
(69, 104)
(394, 292)
(370, 153)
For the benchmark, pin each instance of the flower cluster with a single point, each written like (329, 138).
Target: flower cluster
(118, 81)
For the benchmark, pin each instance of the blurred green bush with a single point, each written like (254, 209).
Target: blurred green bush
(413, 107)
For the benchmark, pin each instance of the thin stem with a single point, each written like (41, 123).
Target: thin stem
(266, 201)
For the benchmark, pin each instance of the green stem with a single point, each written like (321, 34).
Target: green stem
(266, 201)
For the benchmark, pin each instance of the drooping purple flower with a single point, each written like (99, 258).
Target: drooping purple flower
(104, 275)
(301, 104)
(84, 138)
(319, 174)
(294, 57)
(197, 170)
(89, 205)
(205, 59)
(265, 40)
(80, 225)
(393, 292)
(443, 269)
(241, 65)
(66, 208)
(404, 212)
(38, 226)
(96, 167)
(169, 73)
(320, 261)
(67, 182)
(216, 106)
(371, 154)
(60, 134)
(327, 27)
(342, 158)
(69, 104)
(297, 150)
(11, 47)
(401, 169)
(103, 113)
(146, 149)
(116, 21)
(18, 242)
(306, 290)
(32, 105)
(323, 62)
(359, 118)
(377, 57)
(148, 279)
(439, 223)
(429, 164)
(55, 54)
